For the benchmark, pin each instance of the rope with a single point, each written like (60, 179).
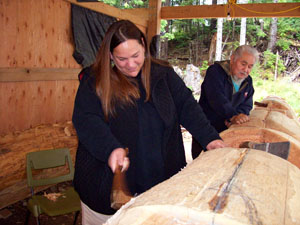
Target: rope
(233, 2)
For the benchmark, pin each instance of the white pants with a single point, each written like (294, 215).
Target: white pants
(90, 217)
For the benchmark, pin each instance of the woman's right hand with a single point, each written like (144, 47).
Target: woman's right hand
(117, 159)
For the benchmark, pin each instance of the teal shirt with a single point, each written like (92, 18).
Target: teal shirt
(235, 85)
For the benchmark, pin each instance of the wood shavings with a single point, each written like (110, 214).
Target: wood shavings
(53, 196)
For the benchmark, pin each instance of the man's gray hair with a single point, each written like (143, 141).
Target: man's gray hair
(238, 52)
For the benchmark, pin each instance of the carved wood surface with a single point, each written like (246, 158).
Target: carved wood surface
(234, 137)
(276, 115)
(276, 103)
(271, 120)
(222, 186)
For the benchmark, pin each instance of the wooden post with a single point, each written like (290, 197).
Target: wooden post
(154, 19)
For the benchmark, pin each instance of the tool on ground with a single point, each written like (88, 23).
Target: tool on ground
(120, 193)
(281, 149)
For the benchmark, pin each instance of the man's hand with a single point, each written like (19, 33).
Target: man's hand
(239, 119)
(118, 158)
(227, 123)
(215, 144)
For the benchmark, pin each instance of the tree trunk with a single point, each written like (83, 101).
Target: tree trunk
(212, 50)
(261, 21)
(276, 66)
(243, 31)
(191, 52)
(219, 40)
(243, 28)
(273, 32)
(233, 30)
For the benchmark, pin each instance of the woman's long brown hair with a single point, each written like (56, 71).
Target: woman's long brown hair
(113, 87)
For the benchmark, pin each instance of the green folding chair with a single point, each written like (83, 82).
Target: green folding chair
(38, 204)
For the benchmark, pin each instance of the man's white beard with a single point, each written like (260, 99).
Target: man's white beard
(237, 80)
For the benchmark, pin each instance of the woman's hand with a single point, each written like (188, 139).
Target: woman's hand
(215, 144)
(117, 159)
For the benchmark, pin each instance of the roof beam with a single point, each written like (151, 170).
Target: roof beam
(235, 10)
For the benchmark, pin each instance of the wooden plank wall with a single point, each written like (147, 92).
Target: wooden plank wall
(27, 104)
(36, 34)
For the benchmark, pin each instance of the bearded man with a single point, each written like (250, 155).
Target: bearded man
(227, 91)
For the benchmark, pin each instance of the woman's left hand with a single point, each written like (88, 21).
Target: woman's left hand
(215, 144)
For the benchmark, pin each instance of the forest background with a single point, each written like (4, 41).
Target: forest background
(193, 41)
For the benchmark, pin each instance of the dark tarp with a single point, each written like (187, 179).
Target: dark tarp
(88, 29)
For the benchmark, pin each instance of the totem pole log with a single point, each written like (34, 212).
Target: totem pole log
(236, 186)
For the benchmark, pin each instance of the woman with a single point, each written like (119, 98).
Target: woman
(128, 100)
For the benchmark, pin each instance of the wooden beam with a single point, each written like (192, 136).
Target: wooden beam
(192, 12)
(133, 15)
(266, 10)
(141, 12)
(154, 19)
(37, 74)
(236, 11)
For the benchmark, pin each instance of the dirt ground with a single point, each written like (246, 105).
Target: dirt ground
(18, 216)
(16, 213)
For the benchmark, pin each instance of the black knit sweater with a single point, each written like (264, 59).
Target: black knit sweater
(175, 105)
